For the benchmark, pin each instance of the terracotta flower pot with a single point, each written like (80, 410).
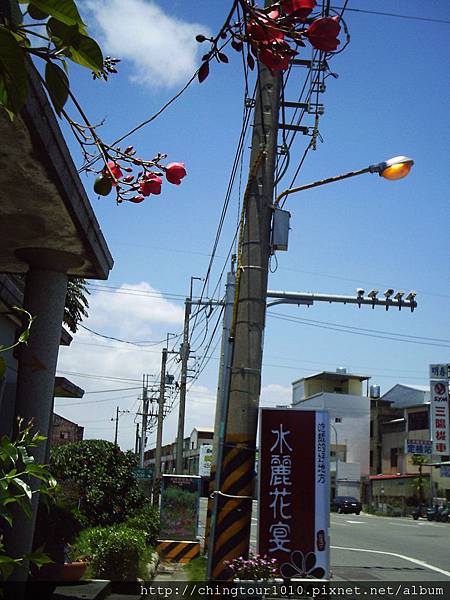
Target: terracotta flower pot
(73, 571)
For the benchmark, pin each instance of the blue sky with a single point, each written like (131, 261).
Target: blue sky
(390, 98)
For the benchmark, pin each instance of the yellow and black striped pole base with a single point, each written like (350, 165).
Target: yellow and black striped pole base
(233, 520)
(176, 551)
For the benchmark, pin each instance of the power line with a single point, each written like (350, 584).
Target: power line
(94, 376)
(97, 401)
(355, 330)
(134, 343)
(387, 14)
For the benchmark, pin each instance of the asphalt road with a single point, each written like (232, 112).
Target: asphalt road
(369, 548)
(366, 547)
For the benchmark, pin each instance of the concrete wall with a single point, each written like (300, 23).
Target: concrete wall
(350, 415)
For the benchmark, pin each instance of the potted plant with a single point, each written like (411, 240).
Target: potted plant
(253, 568)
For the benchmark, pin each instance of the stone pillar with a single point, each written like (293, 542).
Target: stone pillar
(45, 293)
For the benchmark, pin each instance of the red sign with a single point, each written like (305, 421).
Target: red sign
(294, 496)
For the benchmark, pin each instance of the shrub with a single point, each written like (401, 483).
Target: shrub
(108, 491)
(114, 552)
(147, 520)
(253, 567)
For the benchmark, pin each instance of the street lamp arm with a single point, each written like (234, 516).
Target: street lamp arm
(308, 186)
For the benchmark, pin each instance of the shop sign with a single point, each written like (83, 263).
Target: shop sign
(439, 416)
(294, 491)
(419, 447)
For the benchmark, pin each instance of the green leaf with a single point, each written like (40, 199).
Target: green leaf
(57, 85)
(36, 13)
(38, 557)
(2, 366)
(87, 53)
(16, 13)
(24, 486)
(13, 77)
(66, 11)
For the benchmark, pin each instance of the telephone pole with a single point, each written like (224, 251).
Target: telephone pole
(144, 423)
(158, 449)
(234, 489)
(117, 426)
(184, 352)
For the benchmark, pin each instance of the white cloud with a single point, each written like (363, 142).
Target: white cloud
(161, 49)
(274, 395)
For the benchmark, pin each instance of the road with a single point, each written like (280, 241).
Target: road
(370, 548)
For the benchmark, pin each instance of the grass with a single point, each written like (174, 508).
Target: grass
(196, 569)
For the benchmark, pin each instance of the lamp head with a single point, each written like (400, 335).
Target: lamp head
(399, 295)
(411, 296)
(360, 292)
(373, 294)
(388, 293)
(394, 168)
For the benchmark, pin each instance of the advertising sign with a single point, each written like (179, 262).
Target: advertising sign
(444, 471)
(294, 491)
(180, 496)
(419, 447)
(204, 460)
(440, 371)
(439, 416)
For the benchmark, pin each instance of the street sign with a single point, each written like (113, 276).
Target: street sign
(294, 491)
(439, 416)
(419, 447)
(143, 472)
(444, 471)
(204, 460)
(440, 371)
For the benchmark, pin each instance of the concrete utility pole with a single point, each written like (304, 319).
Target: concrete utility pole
(137, 441)
(117, 426)
(231, 536)
(185, 349)
(144, 425)
(158, 449)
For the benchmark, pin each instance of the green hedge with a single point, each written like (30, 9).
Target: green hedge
(116, 552)
(146, 520)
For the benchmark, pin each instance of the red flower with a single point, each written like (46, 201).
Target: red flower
(150, 184)
(136, 199)
(276, 56)
(261, 30)
(298, 8)
(175, 172)
(114, 169)
(323, 32)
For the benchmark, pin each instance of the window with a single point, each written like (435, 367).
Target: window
(338, 419)
(338, 390)
(371, 458)
(63, 435)
(332, 454)
(394, 457)
(418, 420)
(371, 429)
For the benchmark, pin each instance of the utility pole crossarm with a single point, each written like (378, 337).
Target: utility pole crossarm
(309, 298)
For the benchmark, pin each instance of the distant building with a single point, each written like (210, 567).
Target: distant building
(191, 452)
(64, 431)
(404, 430)
(341, 394)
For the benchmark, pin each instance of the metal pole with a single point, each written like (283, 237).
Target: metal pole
(158, 449)
(232, 534)
(183, 379)
(144, 425)
(336, 461)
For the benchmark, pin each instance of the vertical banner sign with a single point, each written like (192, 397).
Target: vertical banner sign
(439, 416)
(180, 496)
(294, 491)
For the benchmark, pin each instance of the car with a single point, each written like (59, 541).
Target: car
(346, 504)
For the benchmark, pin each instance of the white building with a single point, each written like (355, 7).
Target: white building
(341, 394)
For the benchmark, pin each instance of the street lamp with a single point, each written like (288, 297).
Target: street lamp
(392, 169)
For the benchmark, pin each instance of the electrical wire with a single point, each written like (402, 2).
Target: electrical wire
(361, 331)
(134, 343)
(386, 14)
